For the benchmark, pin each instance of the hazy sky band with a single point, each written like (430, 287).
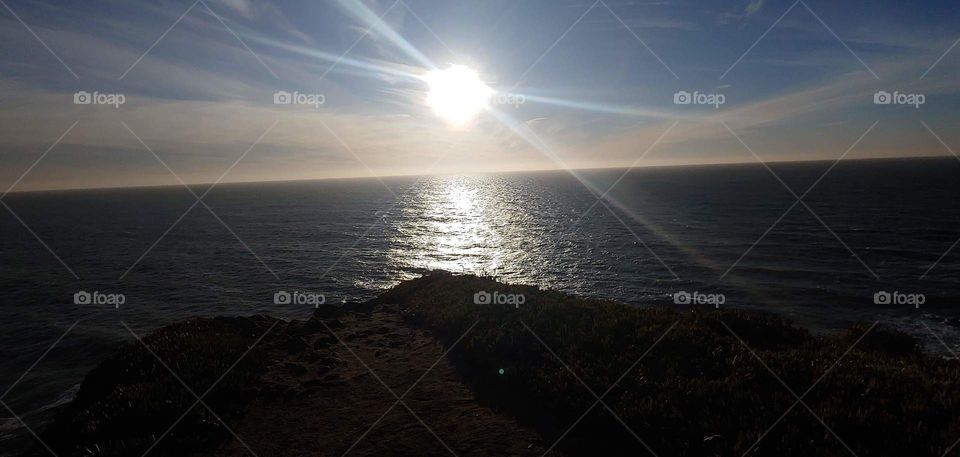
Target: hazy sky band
(799, 81)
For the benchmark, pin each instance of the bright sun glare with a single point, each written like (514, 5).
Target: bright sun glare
(457, 94)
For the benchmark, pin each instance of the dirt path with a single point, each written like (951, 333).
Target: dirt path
(320, 399)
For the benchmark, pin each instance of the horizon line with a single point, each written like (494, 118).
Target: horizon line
(532, 170)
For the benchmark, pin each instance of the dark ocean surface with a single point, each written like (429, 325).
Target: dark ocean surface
(866, 227)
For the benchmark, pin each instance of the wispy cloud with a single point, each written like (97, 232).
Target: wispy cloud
(200, 97)
(753, 7)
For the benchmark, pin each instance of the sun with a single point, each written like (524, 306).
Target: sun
(457, 94)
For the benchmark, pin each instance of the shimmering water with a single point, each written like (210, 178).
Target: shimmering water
(874, 226)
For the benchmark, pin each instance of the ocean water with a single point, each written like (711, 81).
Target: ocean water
(866, 227)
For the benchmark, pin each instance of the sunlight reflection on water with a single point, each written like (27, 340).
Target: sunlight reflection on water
(452, 227)
(351, 239)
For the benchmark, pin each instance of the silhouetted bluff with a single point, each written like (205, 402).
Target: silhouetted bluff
(697, 382)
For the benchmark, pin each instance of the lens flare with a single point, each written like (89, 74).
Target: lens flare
(457, 94)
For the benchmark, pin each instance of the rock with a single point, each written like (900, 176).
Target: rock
(296, 369)
(327, 311)
(324, 341)
(295, 345)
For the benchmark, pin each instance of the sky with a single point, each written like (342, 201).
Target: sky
(579, 84)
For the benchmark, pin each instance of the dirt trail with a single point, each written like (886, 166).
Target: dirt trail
(320, 399)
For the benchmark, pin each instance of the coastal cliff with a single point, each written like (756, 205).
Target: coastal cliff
(428, 368)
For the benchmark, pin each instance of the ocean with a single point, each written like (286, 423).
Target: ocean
(866, 228)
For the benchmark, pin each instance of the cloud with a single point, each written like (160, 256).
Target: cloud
(241, 7)
(753, 7)
(200, 139)
(793, 124)
(199, 99)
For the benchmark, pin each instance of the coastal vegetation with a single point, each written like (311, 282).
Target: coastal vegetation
(590, 377)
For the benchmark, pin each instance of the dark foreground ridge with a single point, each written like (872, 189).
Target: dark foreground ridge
(516, 381)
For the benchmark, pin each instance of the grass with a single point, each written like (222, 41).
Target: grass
(700, 391)
(698, 383)
(131, 399)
